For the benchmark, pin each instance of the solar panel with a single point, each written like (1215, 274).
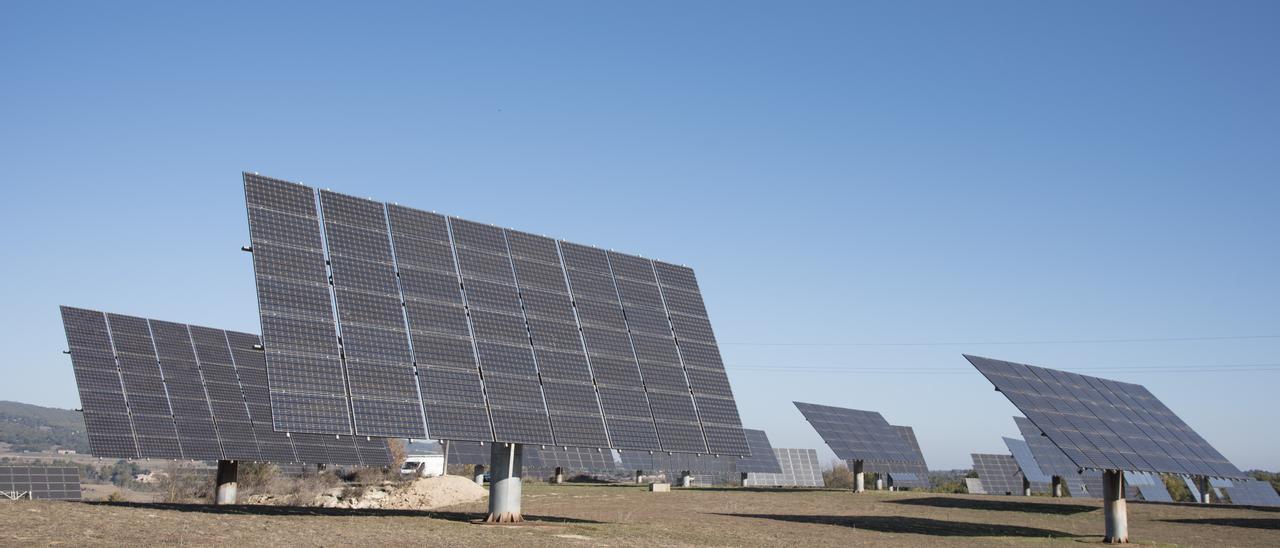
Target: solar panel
(762, 458)
(509, 336)
(1040, 482)
(858, 435)
(1252, 492)
(1149, 486)
(1053, 462)
(800, 468)
(1102, 424)
(918, 468)
(39, 482)
(207, 386)
(999, 474)
(308, 383)
(974, 486)
(469, 452)
(570, 459)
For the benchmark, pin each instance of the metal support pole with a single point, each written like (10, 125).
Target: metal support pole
(559, 475)
(1026, 487)
(1206, 489)
(879, 482)
(507, 461)
(1057, 487)
(225, 492)
(638, 474)
(445, 450)
(1114, 509)
(859, 479)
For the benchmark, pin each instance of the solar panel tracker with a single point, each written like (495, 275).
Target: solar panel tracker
(800, 468)
(1252, 492)
(1053, 462)
(486, 332)
(39, 482)
(1105, 425)
(974, 486)
(762, 458)
(918, 468)
(857, 435)
(999, 473)
(208, 385)
(1040, 482)
(1149, 486)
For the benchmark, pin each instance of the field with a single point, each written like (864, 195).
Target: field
(628, 515)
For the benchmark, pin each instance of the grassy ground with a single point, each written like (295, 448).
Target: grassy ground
(630, 516)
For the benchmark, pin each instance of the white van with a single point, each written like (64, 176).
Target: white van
(423, 466)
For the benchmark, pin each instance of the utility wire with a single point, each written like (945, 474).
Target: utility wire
(1026, 342)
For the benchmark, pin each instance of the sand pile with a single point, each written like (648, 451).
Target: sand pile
(421, 494)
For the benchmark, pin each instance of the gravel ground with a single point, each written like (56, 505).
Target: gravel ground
(619, 515)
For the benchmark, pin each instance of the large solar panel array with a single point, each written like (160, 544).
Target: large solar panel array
(999, 473)
(675, 463)
(800, 468)
(762, 459)
(571, 459)
(1040, 481)
(39, 482)
(484, 333)
(1253, 493)
(1103, 424)
(858, 435)
(155, 389)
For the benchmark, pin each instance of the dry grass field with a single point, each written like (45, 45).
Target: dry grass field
(626, 515)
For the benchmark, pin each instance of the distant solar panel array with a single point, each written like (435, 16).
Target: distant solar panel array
(1021, 452)
(999, 473)
(799, 467)
(913, 474)
(483, 333)
(570, 459)
(1148, 486)
(1102, 424)
(164, 390)
(1053, 462)
(1252, 492)
(39, 482)
(858, 435)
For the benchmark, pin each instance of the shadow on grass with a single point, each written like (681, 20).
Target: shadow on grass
(264, 510)
(918, 526)
(1251, 523)
(999, 505)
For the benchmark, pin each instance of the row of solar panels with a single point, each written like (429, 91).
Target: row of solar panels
(383, 320)
(164, 390)
(39, 482)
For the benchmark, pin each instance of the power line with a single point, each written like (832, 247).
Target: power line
(1026, 342)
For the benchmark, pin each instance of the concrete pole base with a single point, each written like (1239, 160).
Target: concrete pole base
(859, 478)
(1114, 509)
(226, 486)
(686, 480)
(1057, 487)
(559, 475)
(639, 475)
(506, 464)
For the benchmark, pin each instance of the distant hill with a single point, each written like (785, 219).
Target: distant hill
(27, 427)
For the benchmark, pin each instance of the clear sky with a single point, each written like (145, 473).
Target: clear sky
(843, 176)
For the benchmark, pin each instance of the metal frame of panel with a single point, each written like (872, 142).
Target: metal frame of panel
(999, 473)
(762, 459)
(38, 482)
(857, 435)
(1102, 424)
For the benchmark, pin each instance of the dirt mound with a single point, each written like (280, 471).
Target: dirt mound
(421, 494)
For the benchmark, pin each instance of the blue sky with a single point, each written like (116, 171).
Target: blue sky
(841, 175)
